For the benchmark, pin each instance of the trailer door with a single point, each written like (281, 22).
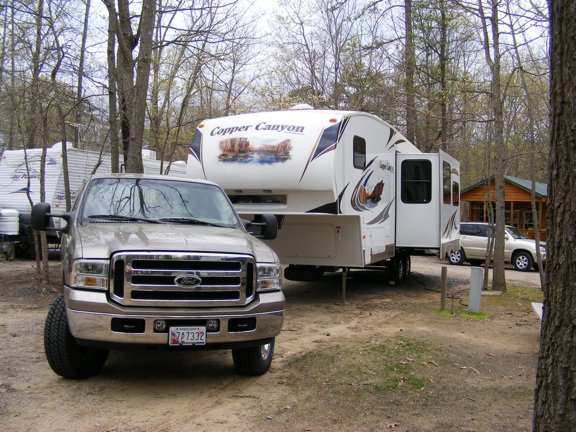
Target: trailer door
(417, 201)
(450, 204)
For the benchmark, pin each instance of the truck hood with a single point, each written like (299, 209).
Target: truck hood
(101, 240)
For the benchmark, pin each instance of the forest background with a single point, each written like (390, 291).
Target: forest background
(457, 75)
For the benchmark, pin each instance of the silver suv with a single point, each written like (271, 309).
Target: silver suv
(518, 250)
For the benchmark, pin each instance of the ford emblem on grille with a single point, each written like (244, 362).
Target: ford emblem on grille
(188, 281)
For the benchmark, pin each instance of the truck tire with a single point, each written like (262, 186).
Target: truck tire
(523, 261)
(64, 355)
(253, 361)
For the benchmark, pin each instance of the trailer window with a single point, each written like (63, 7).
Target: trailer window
(359, 146)
(455, 194)
(446, 182)
(450, 188)
(416, 183)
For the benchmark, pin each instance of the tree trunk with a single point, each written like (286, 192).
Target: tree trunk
(410, 61)
(443, 60)
(555, 398)
(134, 162)
(112, 88)
(79, 85)
(493, 61)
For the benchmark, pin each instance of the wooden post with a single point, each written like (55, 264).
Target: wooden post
(344, 277)
(443, 288)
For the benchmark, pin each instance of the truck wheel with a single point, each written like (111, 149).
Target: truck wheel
(456, 257)
(64, 355)
(523, 261)
(254, 361)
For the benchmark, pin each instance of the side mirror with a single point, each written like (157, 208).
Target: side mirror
(263, 226)
(40, 218)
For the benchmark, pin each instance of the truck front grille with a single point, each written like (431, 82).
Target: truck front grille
(182, 280)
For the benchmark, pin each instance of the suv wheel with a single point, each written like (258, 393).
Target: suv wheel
(523, 261)
(456, 257)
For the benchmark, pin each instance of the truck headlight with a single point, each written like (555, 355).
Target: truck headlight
(91, 274)
(268, 278)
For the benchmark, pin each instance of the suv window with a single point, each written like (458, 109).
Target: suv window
(474, 230)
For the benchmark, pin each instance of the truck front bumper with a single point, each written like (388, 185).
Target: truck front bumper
(94, 319)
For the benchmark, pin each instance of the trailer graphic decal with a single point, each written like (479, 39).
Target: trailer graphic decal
(366, 197)
(451, 226)
(240, 150)
(327, 142)
(21, 171)
(383, 215)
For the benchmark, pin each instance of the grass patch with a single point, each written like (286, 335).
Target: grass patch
(463, 314)
(515, 296)
(473, 315)
(364, 370)
(526, 294)
(357, 384)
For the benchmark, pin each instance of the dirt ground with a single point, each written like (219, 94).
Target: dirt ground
(481, 378)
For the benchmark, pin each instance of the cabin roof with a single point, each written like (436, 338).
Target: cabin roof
(541, 189)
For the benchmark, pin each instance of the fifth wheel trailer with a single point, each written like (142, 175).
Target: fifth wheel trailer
(348, 190)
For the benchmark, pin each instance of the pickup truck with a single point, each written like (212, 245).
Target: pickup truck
(165, 262)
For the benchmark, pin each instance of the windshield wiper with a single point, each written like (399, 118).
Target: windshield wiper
(120, 218)
(191, 221)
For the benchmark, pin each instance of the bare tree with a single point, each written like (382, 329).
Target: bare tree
(531, 135)
(410, 66)
(491, 40)
(133, 74)
(80, 76)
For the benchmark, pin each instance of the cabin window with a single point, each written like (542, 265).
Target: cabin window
(416, 183)
(359, 146)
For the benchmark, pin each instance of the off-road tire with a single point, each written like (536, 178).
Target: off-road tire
(523, 261)
(253, 361)
(64, 355)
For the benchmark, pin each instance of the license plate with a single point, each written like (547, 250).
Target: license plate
(184, 336)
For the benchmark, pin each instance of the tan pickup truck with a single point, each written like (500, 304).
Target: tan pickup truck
(154, 260)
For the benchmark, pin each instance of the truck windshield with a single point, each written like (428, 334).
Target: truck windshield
(156, 201)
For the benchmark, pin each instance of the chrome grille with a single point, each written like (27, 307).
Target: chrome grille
(183, 280)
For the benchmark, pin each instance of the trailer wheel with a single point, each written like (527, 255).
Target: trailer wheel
(254, 361)
(399, 270)
(407, 266)
(64, 355)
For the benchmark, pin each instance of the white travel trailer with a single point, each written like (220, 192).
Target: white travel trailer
(20, 180)
(348, 190)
